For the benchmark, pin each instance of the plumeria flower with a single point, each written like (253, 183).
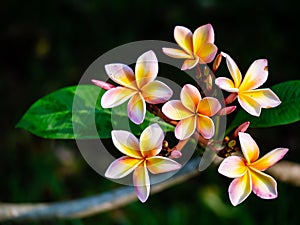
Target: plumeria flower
(140, 87)
(247, 171)
(196, 48)
(193, 113)
(141, 156)
(250, 98)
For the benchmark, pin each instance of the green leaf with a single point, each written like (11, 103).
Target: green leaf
(75, 112)
(287, 112)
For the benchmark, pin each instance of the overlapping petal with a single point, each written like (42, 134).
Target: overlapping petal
(136, 108)
(176, 53)
(156, 92)
(185, 128)
(121, 167)
(146, 68)
(249, 147)
(190, 63)
(159, 164)
(269, 159)
(190, 97)
(116, 96)
(205, 126)
(202, 35)
(256, 75)
(121, 74)
(151, 140)
(263, 185)
(207, 53)
(208, 106)
(265, 97)
(175, 110)
(141, 182)
(184, 38)
(233, 167)
(126, 143)
(226, 84)
(249, 104)
(240, 188)
(233, 70)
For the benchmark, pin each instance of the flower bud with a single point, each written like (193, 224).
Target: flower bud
(104, 85)
(226, 110)
(217, 62)
(175, 154)
(242, 128)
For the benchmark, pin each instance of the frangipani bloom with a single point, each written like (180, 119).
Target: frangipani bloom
(141, 156)
(140, 87)
(193, 113)
(247, 171)
(250, 98)
(196, 48)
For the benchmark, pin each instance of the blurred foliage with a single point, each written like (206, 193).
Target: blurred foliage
(47, 45)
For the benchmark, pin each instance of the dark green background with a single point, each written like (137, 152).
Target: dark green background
(47, 45)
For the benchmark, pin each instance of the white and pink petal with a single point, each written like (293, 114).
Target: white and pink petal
(184, 38)
(240, 188)
(122, 167)
(175, 110)
(151, 140)
(226, 84)
(176, 53)
(141, 182)
(185, 128)
(126, 143)
(156, 92)
(146, 68)
(208, 106)
(269, 159)
(116, 96)
(190, 97)
(233, 167)
(160, 164)
(249, 147)
(263, 185)
(136, 109)
(205, 126)
(233, 69)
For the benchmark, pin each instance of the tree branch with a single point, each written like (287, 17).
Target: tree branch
(283, 171)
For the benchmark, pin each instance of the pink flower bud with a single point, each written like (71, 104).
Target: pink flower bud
(175, 154)
(104, 85)
(242, 128)
(227, 110)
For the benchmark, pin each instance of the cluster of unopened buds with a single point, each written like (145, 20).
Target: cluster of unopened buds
(191, 115)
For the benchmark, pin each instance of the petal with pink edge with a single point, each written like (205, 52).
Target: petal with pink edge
(116, 96)
(121, 74)
(156, 92)
(126, 143)
(190, 97)
(265, 97)
(159, 164)
(256, 75)
(141, 182)
(203, 35)
(226, 84)
(207, 53)
(146, 68)
(249, 147)
(249, 104)
(208, 106)
(233, 167)
(151, 140)
(233, 69)
(239, 189)
(263, 185)
(176, 53)
(122, 167)
(136, 109)
(185, 128)
(184, 38)
(190, 63)
(205, 126)
(175, 110)
(269, 159)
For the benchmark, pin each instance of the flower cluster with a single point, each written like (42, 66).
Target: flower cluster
(192, 115)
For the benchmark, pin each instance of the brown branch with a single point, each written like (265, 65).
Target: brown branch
(284, 171)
